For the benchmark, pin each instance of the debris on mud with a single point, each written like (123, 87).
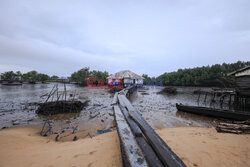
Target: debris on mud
(237, 127)
(104, 131)
(57, 103)
(15, 122)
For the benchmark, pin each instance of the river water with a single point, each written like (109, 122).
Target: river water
(17, 105)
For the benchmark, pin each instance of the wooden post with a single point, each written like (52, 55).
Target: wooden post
(230, 96)
(65, 91)
(199, 97)
(205, 98)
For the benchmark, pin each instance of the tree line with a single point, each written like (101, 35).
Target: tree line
(81, 75)
(78, 77)
(32, 76)
(215, 75)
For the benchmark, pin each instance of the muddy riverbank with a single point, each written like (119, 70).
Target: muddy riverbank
(18, 106)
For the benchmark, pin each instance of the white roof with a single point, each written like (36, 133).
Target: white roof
(62, 78)
(241, 72)
(125, 74)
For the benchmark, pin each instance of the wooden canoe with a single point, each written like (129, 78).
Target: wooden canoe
(212, 112)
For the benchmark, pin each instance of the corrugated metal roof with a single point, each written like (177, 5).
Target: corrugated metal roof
(125, 74)
(239, 70)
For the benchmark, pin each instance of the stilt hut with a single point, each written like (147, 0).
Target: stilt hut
(126, 78)
(63, 80)
(242, 79)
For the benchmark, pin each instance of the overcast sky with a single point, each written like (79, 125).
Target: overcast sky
(145, 36)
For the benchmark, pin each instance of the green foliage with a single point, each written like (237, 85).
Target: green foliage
(215, 75)
(151, 80)
(31, 76)
(10, 75)
(81, 75)
(99, 75)
(147, 79)
(54, 78)
(42, 77)
(145, 76)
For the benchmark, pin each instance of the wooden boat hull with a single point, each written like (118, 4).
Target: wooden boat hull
(218, 113)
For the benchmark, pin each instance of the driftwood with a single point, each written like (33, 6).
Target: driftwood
(237, 127)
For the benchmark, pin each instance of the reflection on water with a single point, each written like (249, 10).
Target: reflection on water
(17, 105)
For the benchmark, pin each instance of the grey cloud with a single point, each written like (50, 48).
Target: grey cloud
(59, 37)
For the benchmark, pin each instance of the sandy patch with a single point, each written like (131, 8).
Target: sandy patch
(195, 146)
(205, 147)
(25, 148)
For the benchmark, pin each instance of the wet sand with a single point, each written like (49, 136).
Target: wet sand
(195, 146)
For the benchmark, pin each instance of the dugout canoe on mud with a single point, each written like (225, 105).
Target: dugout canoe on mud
(217, 113)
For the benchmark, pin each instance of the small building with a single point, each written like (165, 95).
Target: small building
(242, 79)
(126, 78)
(63, 80)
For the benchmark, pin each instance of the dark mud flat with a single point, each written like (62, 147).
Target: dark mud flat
(159, 109)
(19, 104)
